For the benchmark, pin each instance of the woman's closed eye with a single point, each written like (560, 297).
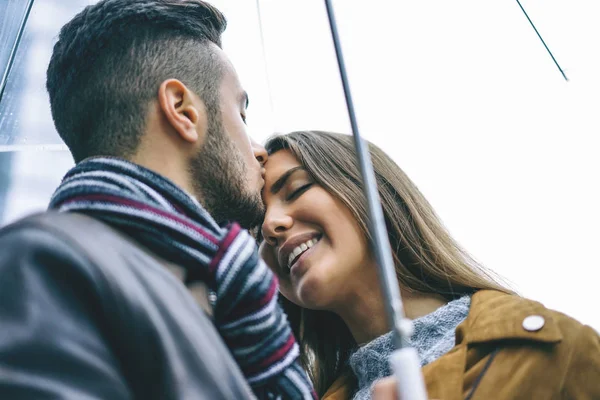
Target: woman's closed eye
(298, 192)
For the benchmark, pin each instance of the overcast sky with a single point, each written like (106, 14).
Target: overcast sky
(465, 99)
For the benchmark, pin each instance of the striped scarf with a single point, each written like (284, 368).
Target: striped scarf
(162, 217)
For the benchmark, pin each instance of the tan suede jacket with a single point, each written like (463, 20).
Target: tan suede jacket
(512, 348)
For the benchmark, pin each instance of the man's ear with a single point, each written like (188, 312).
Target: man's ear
(183, 109)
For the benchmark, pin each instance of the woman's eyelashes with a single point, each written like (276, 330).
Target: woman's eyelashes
(298, 192)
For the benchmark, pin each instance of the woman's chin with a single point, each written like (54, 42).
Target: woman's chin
(313, 294)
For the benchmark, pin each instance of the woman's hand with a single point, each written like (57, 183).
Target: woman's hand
(385, 389)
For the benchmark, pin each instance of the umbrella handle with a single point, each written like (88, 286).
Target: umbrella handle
(407, 371)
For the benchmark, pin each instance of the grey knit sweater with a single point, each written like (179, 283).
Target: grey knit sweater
(433, 337)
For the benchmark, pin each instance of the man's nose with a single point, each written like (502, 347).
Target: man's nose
(260, 153)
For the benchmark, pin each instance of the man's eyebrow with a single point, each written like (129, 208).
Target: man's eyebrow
(283, 179)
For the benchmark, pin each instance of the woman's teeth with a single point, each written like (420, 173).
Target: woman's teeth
(299, 250)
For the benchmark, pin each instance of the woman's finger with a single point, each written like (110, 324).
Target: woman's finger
(385, 389)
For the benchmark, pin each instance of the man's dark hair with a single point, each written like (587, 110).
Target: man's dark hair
(110, 60)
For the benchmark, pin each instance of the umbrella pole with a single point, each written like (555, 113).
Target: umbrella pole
(405, 360)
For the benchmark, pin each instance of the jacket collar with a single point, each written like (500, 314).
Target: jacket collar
(493, 316)
(498, 316)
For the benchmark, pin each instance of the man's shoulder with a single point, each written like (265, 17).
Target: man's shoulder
(73, 241)
(88, 253)
(65, 224)
(86, 249)
(78, 232)
(70, 282)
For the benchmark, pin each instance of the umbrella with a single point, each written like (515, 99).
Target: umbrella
(405, 360)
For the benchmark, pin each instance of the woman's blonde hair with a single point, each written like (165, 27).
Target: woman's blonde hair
(427, 259)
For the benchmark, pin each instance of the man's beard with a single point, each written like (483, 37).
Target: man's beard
(219, 178)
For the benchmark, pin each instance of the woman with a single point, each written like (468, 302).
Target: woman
(467, 324)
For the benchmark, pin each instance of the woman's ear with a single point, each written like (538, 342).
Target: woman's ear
(184, 110)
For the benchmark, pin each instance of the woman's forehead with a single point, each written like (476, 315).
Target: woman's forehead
(278, 163)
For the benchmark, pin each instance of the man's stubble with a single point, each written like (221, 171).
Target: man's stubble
(220, 180)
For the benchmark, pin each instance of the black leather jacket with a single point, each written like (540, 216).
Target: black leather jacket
(85, 313)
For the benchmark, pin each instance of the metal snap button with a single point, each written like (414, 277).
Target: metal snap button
(533, 323)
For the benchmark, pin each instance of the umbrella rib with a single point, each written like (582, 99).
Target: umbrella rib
(542, 40)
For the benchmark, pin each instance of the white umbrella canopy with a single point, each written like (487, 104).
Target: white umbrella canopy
(461, 94)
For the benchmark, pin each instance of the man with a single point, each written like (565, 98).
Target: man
(92, 295)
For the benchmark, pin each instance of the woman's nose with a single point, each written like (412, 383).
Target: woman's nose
(275, 225)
